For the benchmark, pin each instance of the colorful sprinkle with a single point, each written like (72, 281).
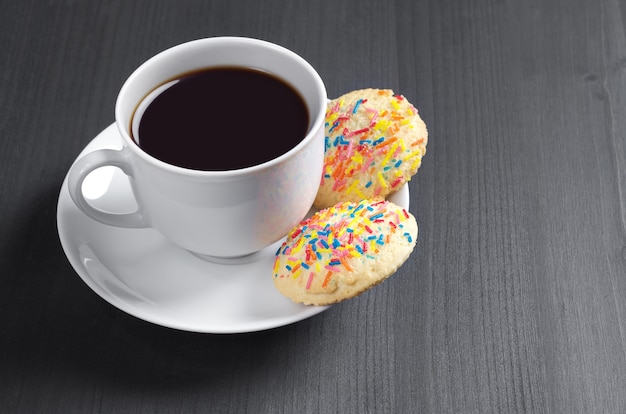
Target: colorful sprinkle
(358, 103)
(327, 279)
(308, 283)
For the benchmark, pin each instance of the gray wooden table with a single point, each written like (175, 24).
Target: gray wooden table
(514, 300)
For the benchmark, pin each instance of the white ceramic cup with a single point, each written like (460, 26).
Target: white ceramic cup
(215, 213)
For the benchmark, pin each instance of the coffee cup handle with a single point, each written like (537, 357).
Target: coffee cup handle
(90, 162)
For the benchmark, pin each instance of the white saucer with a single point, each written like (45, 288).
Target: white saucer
(141, 273)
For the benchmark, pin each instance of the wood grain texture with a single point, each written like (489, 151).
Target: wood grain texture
(515, 298)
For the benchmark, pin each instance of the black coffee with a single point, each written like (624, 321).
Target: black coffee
(223, 118)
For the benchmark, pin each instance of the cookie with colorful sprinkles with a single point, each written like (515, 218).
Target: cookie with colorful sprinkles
(342, 251)
(375, 141)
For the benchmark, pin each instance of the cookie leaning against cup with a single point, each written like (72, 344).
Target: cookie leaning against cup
(344, 250)
(375, 142)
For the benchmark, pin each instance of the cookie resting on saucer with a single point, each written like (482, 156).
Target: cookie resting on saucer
(344, 250)
(375, 141)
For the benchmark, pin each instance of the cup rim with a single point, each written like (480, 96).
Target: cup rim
(315, 125)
